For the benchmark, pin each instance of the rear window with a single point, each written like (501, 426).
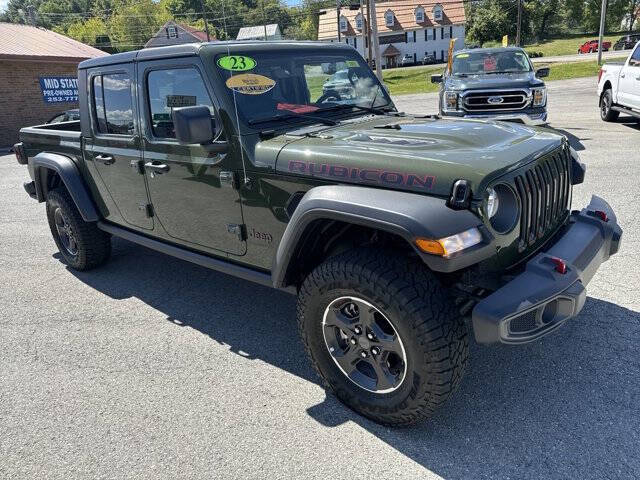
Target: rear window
(113, 104)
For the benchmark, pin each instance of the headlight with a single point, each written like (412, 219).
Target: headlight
(445, 247)
(450, 101)
(501, 208)
(539, 96)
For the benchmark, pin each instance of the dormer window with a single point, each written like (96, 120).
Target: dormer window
(344, 24)
(437, 13)
(172, 31)
(389, 18)
(359, 21)
(419, 15)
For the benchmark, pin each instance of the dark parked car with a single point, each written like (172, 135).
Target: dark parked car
(66, 116)
(627, 42)
(494, 83)
(428, 59)
(393, 230)
(592, 46)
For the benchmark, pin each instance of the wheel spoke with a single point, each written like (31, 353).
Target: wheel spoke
(58, 218)
(335, 318)
(347, 359)
(385, 341)
(384, 380)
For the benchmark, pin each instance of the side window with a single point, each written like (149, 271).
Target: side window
(113, 103)
(635, 57)
(179, 87)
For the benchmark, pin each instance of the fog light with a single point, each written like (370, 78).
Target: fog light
(445, 247)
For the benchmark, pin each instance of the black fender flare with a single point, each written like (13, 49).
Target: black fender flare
(44, 162)
(408, 215)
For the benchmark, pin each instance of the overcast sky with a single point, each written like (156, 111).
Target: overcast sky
(3, 4)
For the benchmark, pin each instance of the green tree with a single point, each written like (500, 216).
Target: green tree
(134, 24)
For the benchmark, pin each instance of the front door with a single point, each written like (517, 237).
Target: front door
(629, 83)
(191, 187)
(114, 149)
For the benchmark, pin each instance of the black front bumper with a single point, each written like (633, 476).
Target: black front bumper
(541, 298)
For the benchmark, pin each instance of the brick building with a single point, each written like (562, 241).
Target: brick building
(27, 55)
(405, 27)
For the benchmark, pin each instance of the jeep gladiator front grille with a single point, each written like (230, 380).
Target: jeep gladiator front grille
(492, 101)
(545, 195)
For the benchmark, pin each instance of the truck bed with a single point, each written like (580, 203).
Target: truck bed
(63, 137)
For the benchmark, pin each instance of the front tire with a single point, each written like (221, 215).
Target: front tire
(383, 334)
(606, 102)
(83, 245)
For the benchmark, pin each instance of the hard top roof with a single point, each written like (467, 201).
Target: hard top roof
(194, 48)
(489, 50)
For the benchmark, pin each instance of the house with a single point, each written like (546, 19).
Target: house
(258, 32)
(38, 76)
(173, 33)
(405, 27)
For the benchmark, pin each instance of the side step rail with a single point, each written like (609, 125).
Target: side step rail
(628, 111)
(182, 253)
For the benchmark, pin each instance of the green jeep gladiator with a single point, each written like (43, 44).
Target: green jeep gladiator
(396, 232)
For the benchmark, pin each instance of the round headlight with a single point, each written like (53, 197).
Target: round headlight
(501, 207)
(493, 202)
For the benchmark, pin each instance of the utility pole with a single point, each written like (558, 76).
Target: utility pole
(603, 14)
(364, 26)
(519, 30)
(204, 17)
(338, 17)
(370, 56)
(264, 20)
(376, 43)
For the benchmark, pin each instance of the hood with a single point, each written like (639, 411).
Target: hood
(487, 82)
(409, 153)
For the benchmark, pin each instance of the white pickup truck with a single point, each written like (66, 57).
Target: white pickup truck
(619, 87)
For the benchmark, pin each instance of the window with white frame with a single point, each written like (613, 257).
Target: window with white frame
(389, 18)
(359, 21)
(344, 25)
(419, 14)
(437, 12)
(172, 31)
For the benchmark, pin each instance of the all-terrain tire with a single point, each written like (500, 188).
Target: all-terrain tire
(606, 102)
(90, 246)
(434, 335)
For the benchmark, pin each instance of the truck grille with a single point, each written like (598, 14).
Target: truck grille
(495, 101)
(545, 195)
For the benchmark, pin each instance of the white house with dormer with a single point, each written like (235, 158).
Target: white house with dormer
(412, 27)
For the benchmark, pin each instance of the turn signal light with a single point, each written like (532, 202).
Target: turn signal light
(430, 246)
(445, 247)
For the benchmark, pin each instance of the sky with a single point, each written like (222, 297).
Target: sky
(3, 4)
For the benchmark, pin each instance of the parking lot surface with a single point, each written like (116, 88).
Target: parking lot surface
(151, 367)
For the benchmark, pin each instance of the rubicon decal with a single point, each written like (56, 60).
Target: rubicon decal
(365, 175)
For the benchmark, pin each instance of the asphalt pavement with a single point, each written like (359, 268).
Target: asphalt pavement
(151, 367)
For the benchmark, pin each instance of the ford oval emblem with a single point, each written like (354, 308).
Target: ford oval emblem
(495, 100)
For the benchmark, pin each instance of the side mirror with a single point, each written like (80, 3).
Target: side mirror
(542, 72)
(192, 124)
(436, 78)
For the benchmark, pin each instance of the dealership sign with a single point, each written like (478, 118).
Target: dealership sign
(59, 89)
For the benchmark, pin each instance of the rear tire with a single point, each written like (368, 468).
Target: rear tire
(418, 345)
(606, 102)
(83, 245)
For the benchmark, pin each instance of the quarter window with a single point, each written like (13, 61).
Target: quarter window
(113, 104)
(167, 89)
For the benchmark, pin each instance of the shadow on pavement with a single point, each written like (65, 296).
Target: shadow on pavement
(574, 141)
(563, 407)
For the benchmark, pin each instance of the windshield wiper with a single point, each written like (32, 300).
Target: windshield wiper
(326, 121)
(376, 110)
(503, 71)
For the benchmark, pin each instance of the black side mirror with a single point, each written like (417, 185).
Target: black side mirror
(436, 78)
(542, 72)
(192, 124)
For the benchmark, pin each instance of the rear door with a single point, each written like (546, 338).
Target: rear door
(192, 188)
(629, 83)
(114, 150)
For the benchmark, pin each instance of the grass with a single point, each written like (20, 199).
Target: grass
(418, 80)
(561, 46)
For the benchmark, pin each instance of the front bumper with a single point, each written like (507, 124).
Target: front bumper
(533, 119)
(541, 299)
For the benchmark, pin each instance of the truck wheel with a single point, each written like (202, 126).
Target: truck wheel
(82, 244)
(383, 334)
(606, 101)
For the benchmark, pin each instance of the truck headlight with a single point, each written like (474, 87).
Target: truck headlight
(501, 208)
(539, 96)
(450, 101)
(445, 247)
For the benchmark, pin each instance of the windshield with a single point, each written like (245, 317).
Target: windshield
(283, 84)
(480, 63)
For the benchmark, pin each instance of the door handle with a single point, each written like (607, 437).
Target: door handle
(622, 75)
(106, 159)
(157, 167)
